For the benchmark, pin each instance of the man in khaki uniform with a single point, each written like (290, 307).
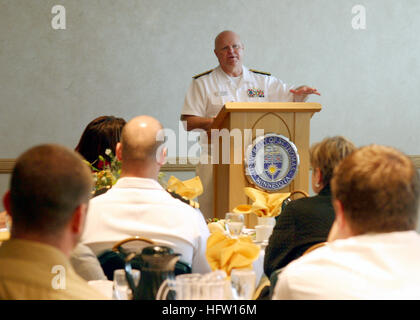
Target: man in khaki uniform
(48, 199)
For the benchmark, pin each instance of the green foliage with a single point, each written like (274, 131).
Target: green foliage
(108, 175)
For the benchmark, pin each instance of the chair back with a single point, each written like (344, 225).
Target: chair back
(132, 245)
(293, 196)
(130, 249)
(315, 246)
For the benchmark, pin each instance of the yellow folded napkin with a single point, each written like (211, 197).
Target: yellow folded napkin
(4, 235)
(264, 204)
(225, 253)
(189, 189)
(215, 226)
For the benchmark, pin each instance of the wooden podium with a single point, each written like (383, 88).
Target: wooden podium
(291, 120)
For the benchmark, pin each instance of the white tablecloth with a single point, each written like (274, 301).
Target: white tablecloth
(258, 265)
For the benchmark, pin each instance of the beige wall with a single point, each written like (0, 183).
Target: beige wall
(130, 57)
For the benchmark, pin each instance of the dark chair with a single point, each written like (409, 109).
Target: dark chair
(123, 250)
(293, 196)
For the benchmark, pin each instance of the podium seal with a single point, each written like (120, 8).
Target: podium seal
(271, 162)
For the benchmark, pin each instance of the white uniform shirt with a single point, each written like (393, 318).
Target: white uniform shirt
(141, 207)
(208, 93)
(375, 266)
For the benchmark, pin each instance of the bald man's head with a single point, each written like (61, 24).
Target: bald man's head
(223, 35)
(228, 49)
(140, 141)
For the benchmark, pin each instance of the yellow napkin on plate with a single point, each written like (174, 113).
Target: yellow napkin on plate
(264, 204)
(189, 189)
(225, 253)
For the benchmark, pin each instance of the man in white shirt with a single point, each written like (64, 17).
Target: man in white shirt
(230, 81)
(373, 250)
(137, 205)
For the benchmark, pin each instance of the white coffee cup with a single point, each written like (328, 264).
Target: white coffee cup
(266, 221)
(263, 232)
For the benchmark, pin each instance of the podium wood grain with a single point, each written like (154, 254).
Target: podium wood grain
(291, 120)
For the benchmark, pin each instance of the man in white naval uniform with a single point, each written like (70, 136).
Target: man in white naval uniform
(137, 205)
(230, 81)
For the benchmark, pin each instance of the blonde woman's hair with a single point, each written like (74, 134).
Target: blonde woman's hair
(328, 153)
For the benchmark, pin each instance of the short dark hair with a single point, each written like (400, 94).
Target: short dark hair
(379, 188)
(48, 183)
(100, 134)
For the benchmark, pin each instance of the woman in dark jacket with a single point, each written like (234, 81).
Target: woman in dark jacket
(307, 221)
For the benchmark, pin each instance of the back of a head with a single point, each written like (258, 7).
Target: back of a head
(100, 134)
(48, 183)
(140, 141)
(379, 189)
(328, 153)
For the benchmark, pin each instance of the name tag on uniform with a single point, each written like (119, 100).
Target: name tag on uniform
(221, 93)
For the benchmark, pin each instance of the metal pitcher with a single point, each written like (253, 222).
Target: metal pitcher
(157, 265)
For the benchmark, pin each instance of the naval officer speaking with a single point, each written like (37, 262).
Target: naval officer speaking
(230, 81)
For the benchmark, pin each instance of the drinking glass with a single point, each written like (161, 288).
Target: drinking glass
(235, 223)
(121, 288)
(243, 283)
(195, 286)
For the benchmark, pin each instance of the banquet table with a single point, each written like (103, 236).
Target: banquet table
(258, 264)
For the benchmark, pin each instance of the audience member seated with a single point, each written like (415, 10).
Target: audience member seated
(48, 198)
(99, 135)
(373, 248)
(137, 205)
(307, 221)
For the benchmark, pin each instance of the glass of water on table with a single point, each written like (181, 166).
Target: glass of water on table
(235, 222)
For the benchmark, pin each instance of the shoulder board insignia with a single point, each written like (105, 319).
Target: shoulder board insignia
(260, 72)
(202, 74)
(192, 203)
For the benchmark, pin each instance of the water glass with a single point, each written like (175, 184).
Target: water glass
(121, 289)
(235, 222)
(194, 286)
(243, 283)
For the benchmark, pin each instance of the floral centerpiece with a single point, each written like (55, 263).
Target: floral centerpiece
(106, 173)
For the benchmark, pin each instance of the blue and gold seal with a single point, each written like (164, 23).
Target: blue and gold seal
(271, 162)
